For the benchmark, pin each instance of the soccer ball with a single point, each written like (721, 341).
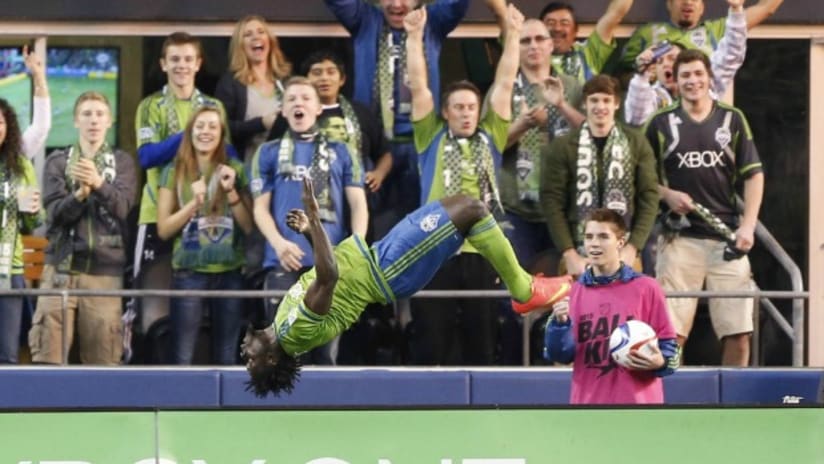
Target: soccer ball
(629, 336)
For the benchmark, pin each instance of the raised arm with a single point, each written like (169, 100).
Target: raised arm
(422, 102)
(318, 296)
(34, 137)
(762, 10)
(500, 95)
(732, 49)
(616, 10)
(498, 8)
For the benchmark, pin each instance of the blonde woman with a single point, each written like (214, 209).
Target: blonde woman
(251, 89)
(203, 206)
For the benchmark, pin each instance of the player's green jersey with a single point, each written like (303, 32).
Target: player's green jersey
(360, 282)
(704, 37)
(153, 125)
(586, 59)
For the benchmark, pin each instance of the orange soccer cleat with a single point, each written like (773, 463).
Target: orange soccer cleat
(546, 291)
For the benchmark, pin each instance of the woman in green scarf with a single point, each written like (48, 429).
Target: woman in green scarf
(19, 213)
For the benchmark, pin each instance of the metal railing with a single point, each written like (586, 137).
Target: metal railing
(794, 331)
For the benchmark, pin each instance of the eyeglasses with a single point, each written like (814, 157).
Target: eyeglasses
(539, 39)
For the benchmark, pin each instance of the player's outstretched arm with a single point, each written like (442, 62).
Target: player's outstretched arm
(319, 294)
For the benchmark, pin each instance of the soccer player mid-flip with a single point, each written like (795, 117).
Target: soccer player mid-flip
(329, 297)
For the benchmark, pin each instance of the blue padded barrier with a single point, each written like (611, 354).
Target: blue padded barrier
(544, 386)
(770, 386)
(108, 388)
(693, 386)
(357, 387)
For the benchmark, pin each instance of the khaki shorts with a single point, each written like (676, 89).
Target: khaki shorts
(688, 264)
(96, 319)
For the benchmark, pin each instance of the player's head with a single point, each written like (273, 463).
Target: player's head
(685, 13)
(536, 45)
(602, 96)
(181, 58)
(693, 74)
(461, 107)
(271, 370)
(253, 43)
(92, 116)
(395, 10)
(301, 104)
(559, 19)
(326, 71)
(605, 234)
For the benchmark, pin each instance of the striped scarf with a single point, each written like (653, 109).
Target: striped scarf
(8, 234)
(319, 170)
(480, 160)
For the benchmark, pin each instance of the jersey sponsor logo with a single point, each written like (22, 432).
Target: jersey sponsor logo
(701, 159)
(723, 136)
(430, 222)
(593, 335)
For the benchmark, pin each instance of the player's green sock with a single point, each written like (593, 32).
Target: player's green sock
(490, 241)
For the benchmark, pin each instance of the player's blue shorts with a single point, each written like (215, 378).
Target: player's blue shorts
(413, 251)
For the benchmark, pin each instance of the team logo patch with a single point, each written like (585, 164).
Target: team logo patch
(256, 186)
(524, 165)
(430, 222)
(145, 133)
(296, 291)
(699, 37)
(723, 136)
(617, 202)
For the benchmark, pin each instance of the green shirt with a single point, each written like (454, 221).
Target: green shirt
(587, 58)
(360, 282)
(704, 37)
(208, 243)
(25, 221)
(152, 125)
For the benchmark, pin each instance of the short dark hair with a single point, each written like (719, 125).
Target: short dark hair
(555, 6)
(457, 86)
(602, 83)
(181, 38)
(689, 56)
(609, 216)
(321, 56)
(275, 377)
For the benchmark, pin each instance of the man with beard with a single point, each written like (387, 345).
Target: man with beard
(687, 27)
(704, 147)
(645, 97)
(582, 60)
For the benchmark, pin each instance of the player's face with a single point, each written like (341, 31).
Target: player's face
(92, 119)
(693, 81)
(461, 112)
(256, 350)
(685, 13)
(326, 77)
(181, 63)
(663, 69)
(600, 109)
(562, 28)
(301, 107)
(395, 10)
(256, 44)
(206, 132)
(536, 45)
(603, 247)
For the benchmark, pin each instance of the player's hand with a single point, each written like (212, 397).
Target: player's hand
(644, 64)
(640, 361)
(678, 201)
(34, 64)
(289, 255)
(560, 311)
(297, 220)
(310, 203)
(538, 116)
(745, 237)
(554, 91)
(415, 21)
(199, 191)
(85, 172)
(736, 5)
(374, 180)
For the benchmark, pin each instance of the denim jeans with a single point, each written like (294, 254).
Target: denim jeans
(186, 313)
(11, 314)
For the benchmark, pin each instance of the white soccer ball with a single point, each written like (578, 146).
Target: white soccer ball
(629, 336)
